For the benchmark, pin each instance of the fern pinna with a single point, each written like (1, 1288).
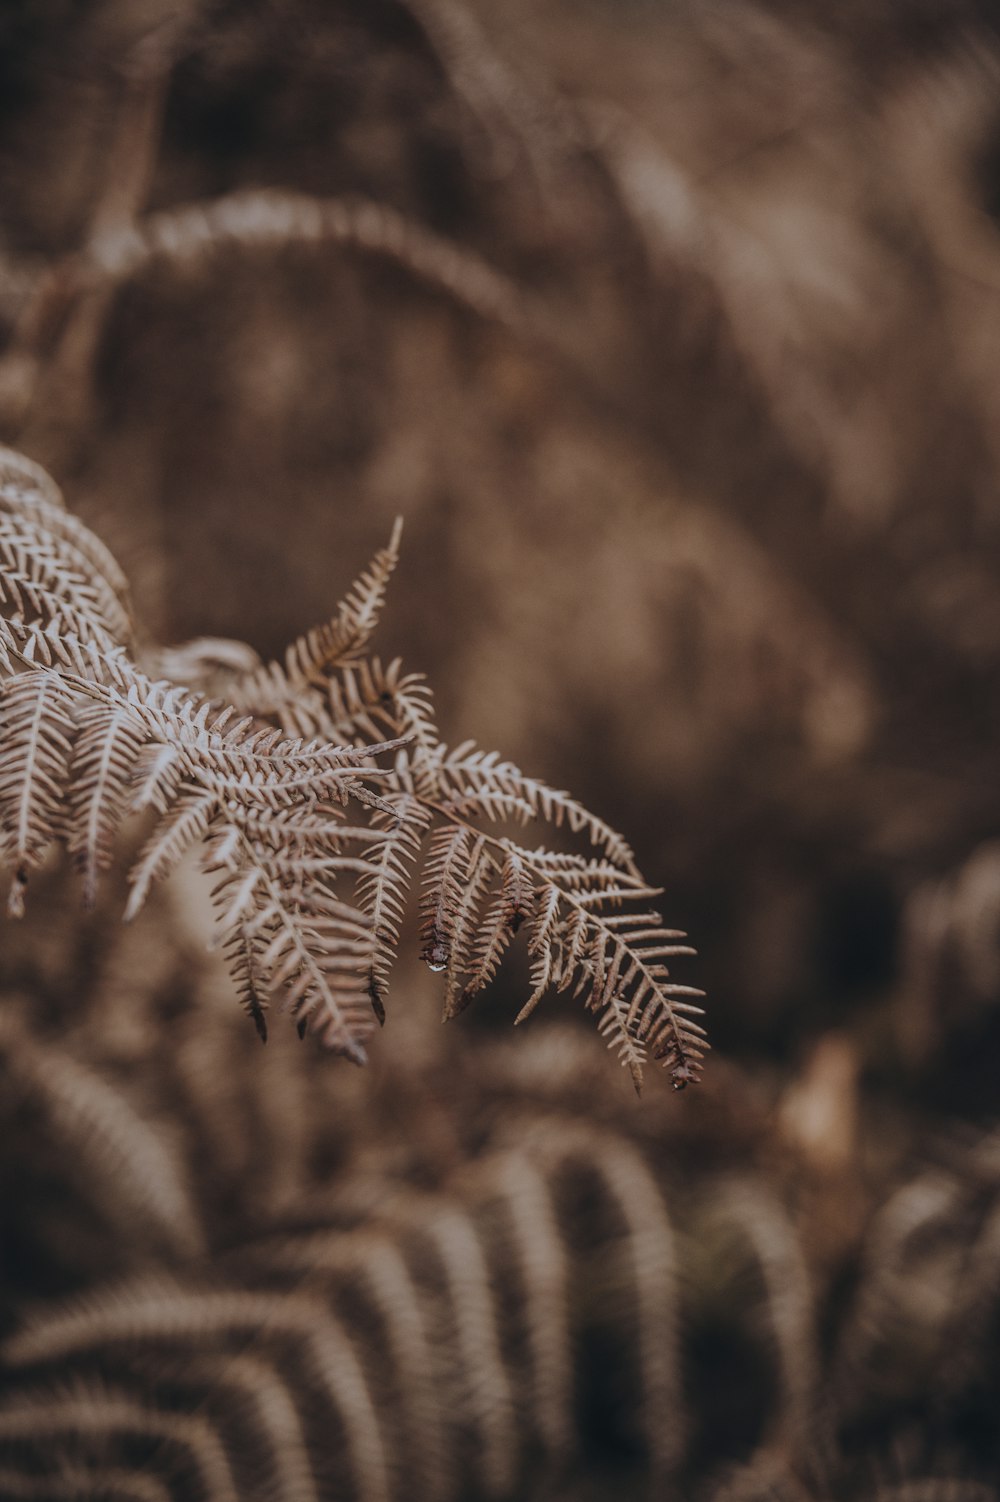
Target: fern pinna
(312, 788)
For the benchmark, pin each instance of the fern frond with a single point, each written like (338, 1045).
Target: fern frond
(544, 928)
(134, 1175)
(258, 1396)
(98, 1419)
(162, 1316)
(382, 893)
(25, 484)
(156, 775)
(368, 696)
(283, 690)
(467, 924)
(472, 782)
(752, 1224)
(649, 1246)
(31, 505)
(445, 871)
(299, 937)
(363, 702)
(108, 741)
(111, 1484)
(458, 873)
(529, 1210)
(484, 1391)
(34, 584)
(616, 961)
(201, 663)
(376, 1269)
(276, 219)
(187, 822)
(36, 733)
(49, 567)
(310, 907)
(512, 905)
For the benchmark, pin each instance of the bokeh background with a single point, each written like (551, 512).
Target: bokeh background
(676, 347)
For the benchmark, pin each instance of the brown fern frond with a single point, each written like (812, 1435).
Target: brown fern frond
(261, 1414)
(37, 581)
(132, 1171)
(25, 483)
(32, 510)
(746, 1220)
(108, 742)
(458, 873)
(470, 919)
(61, 572)
(360, 703)
(470, 782)
(616, 960)
(283, 690)
(401, 703)
(277, 219)
(370, 1265)
(382, 892)
(98, 1418)
(36, 732)
(466, 783)
(207, 664)
(512, 905)
(253, 777)
(187, 822)
(445, 873)
(469, 1325)
(149, 1316)
(527, 1203)
(279, 909)
(76, 1484)
(929, 1289)
(649, 1247)
(82, 727)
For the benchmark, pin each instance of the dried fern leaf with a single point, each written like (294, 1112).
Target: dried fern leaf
(467, 923)
(277, 219)
(375, 1270)
(56, 559)
(254, 778)
(472, 782)
(107, 744)
(278, 689)
(616, 961)
(279, 904)
(133, 1171)
(73, 1484)
(187, 822)
(529, 1210)
(162, 1316)
(36, 733)
(649, 1249)
(445, 871)
(99, 1418)
(511, 906)
(360, 703)
(382, 893)
(249, 1387)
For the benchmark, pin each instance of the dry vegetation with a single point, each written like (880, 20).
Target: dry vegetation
(671, 331)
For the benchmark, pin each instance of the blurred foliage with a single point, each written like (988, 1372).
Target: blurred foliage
(702, 520)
